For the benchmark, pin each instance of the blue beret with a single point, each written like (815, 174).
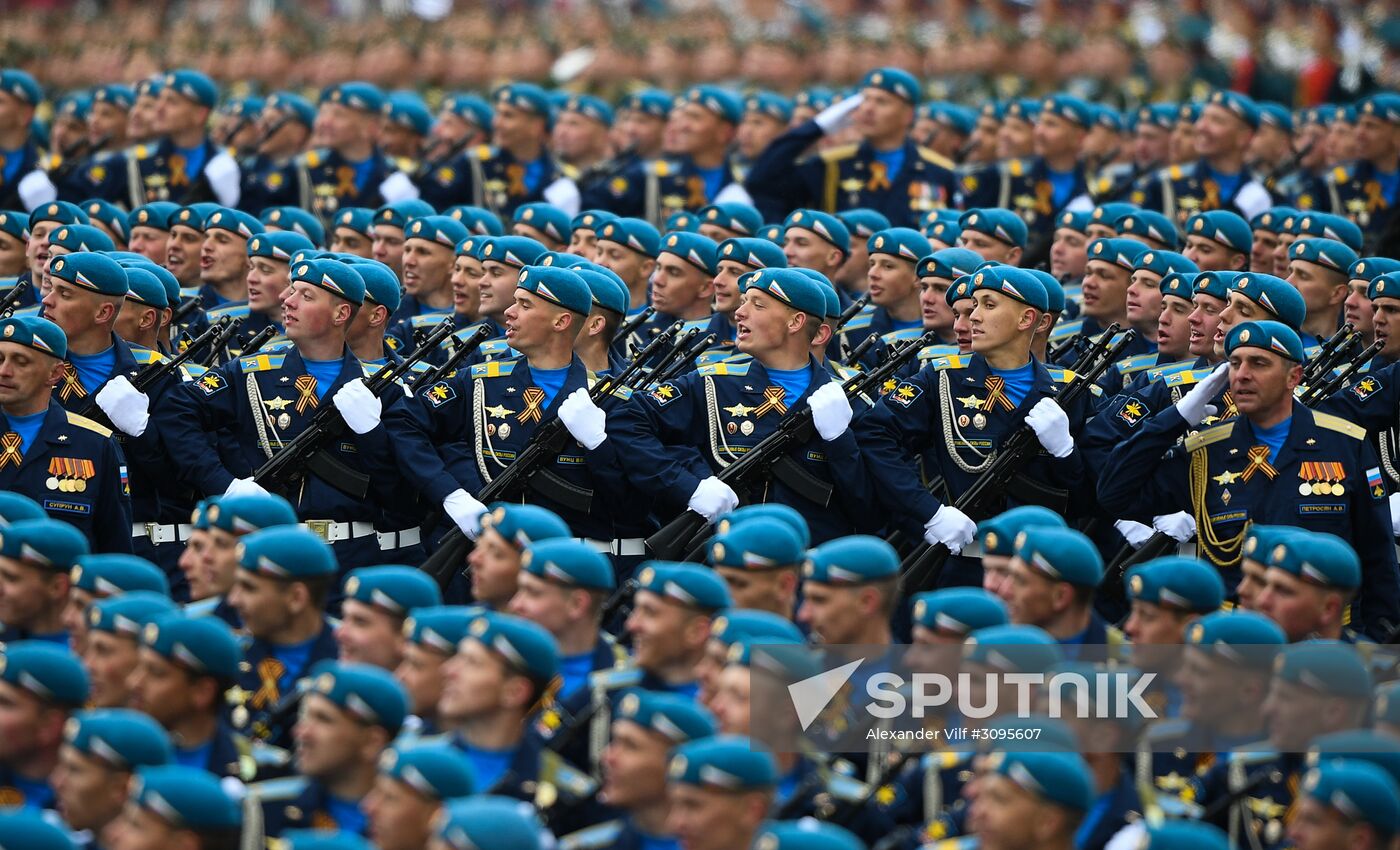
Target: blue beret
(634, 233)
(1060, 554)
(1319, 558)
(1015, 283)
(293, 105)
(815, 97)
(1056, 777)
(739, 624)
(21, 85)
(1224, 227)
(1000, 224)
(771, 104)
(278, 245)
(961, 288)
(398, 213)
(500, 823)
(1365, 745)
(1025, 109)
(998, 534)
(560, 287)
(825, 225)
(1260, 540)
(1243, 638)
(1070, 108)
(335, 277)
(1275, 115)
(295, 220)
(122, 739)
(187, 798)
(570, 562)
(26, 829)
(1270, 336)
(356, 94)
(526, 96)
(653, 102)
(469, 107)
(961, 610)
(46, 670)
(1359, 791)
(606, 289)
(1241, 106)
(833, 301)
(358, 219)
(1370, 268)
(107, 213)
(194, 216)
(59, 212)
(1184, 835)
(741, 218)
(862, 222)
(896, 81)
(524, 524)
(700, 251)
(1328, 253)
(1330, 667)
(722, 103)
(242, 107)
(1162, 263)
(1013, 649)
(244, 514)
(395, 589)
(371, 694)
(902, 242)
(688, 584)
(1185, 584)
(676, 718)
(1123, 253)
(1271, 220)
(33, 332)
(150, 86)
(193, 85)
(788, 660)
(441, 627)
(286, 552)
(949, 263)
(381, 284)
(94, 272)
(107, 575)
(590, 106)
(17, 507)
(1178, 284)
(754, 253)
(1110, 118)
(525, 645)
(205, 646)
(437, 771)
(81, 237)
(477, 220)
(994, 109)
(1108, 214)
(682, 220)
(858, 559)
(1149, 224)
(1161, 115)
(591, 220)
(547, 219)
(758, 544)
(127, 614)
(48, 544)
(1216, 283)
(726, 762)
(1077, 221)
(960, 118)
(770, 510)
(444, 230)
(1054, 290)
(15, 224)
(407, 109)
(790, 287)
(323, 839)
(1383, 105)
(1384, 286)
(518, 251)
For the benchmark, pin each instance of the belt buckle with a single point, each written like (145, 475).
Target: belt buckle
(150, 531)
(320, 527)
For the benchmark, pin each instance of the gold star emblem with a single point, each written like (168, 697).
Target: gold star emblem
(1225, 478)
(740, 409)
(278, 403)
(1311, 441)
(1132, 408)
(971, 401)
(665, 391)
(499, 411)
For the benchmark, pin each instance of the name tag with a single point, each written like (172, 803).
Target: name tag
(1229, 516)
(1314, 508)
(67, 507)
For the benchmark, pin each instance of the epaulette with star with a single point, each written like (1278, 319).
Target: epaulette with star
(838, 153)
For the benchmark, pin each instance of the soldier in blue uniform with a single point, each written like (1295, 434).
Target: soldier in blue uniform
(627, 247)
(886, 171)
(69, 464)
(721, 788)
(101, 751)
(543, 223)
(99, 576)
(209, 562)
(20, 95)
(1318, 268)
(584, 230)
(816, 240)
(377, 600)
(444, 175)
(518, 167)
(268, 276)
(736, 258)
(1144, 305)
(1369, 817)
(431, 636)
(998, 235)
(1309, 585)
(388, 230)
(177, 803)
(109, 649)
(269, 172)
(682, 285)
(352, 232)
(1165, 594)
(350, 714)
(38, 556)
(43, 221)
(184, 166)
(429, 250)
(14, 240)
(595, 343)
(1032, 799)
(48, 684)
(350, 170)
(894, 314)
(1053, 576)
(1367, 190)
(148, 227)
(1258, 456)
(413, 783)
(760, 559)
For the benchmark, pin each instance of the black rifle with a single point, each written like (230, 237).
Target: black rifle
(219, 343)
(677, 349)
(307, 451)
(185, 309)
(463, 350)
(1325, 387)
(544, 446)
(686, 361)
(854, 355)
(1330, 353)
(9, 302)
(630, 326)
(678, 537)
(850, 312)
(920, 570)
(153, 373)
(1078, 341)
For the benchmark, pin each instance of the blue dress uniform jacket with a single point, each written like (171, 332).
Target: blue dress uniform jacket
(1181, 191)
(29, 156)
(1023, 186)
(1353, 191)
(1371, 401)
(1268, 807)
(269, 182)
(102, 175)
(295, 802)
(655, 189)
(1150, 392)
(724, 410)
(1218, 475)
(335, 182)
(75, 470)
(847, 177)
(16, 792)
(487, 176)
(159, 172)
(264, 680)
(877, 321)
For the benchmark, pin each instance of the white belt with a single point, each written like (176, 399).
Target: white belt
(390, 540)
(623, 546)
(159, 534)
(334, 532)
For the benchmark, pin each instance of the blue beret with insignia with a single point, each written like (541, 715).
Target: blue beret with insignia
(205, 646)
(1110, 118)
(770, 232)
(26, 829)
(946, 232)
(815, 98)
(998, 534)
(58, 212)
(1149, 224)
(33, 332)
(1000, 224)
(960, 118)
(46, 670)
(1054, 290)
(194, 215)
(437, 771)
(517, 251)
(371, 694)
(773, 510)
(724, 762)
(355, 94)
(1013, 649)
(857, 559)
(1184, 835)
(682, 220)
(1275, 115)
(286, 552)
(606, 289)
(477, 220)
(547, 219)
(17, 507)
(47, 544)
(1076, 220)
(187, 798)
(674, 717)
(697, 250)
(1060, 554)
(1272, 219)
(686, 584)
(1056, 777)
(960, 610)
(398, 213)
(653, 102)
(19, 84)
(769, 104)
(1318, 558)
(440, 229)
(392, 588)
(902, 242)
(381, 284)
(1366, 745)
(862, 222)
(526, 96)
(296, 220)
(1123, 253)
(1328, 253)
(1270, 336)
(469, 107)
(1070, 108)
(1330, 667)
(560, 287)
(738, 624)
(759, 544)
(754, 253)
(108, 214)
(590, 106)
(524, 645)
(788, 286)
(1015, 283)
(1025, 109)
(1222, 226)
(827, 226)
(1383, 105)
(81, 237)
(522, 525)
(292, 105)
(896, 81)
(120, 738)
(591, 220)
(128, 613)
(1162, 263)
(1274, 294)
(407, 109)
(1185, 584)
(1161, 115)
(500, 823)
(633, 233)
(358, 219)
(340, 279)
(725, 105)
(740, 218)
(962, 288)
(1384, 286)
(1242, 638)
(14, 224)
(570, 562)
(194, 86)
(1370, 268)
(1109, 213)
(279, 245)
(1260, 541)
(1241, 106)
(949, 263)
(440, 627)
(1214, 283)
(1358, 791)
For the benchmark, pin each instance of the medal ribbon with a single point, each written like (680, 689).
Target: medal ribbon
(178, 176)
(306, 387)
(1230, 410)
(696, 187)
(1374, 199)
(879, 177)
(72, 387)
(270, 670)
(9, 449)
(1212, 198)
(772, 400)
(996, 394)
(1259, 461)
(515, 180)
(1044, 198)
(534, 405)
(344, 181)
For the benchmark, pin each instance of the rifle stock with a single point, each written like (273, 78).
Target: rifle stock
(10, 302)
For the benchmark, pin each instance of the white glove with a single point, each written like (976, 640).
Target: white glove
(838, 115)
(713, 498)
(1134, 532)
(585, 420)
(36, 188)
(1051, 426)
(398, 187)
(127, 407)
(466, 511)
(1179, 526)
(245, 487)
(359, 407)
(1395, 513)
(1193, 406)
(951, 527)
(831, 410)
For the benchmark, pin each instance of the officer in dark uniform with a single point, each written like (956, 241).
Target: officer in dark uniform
(270, 175)
(351, 170)
(885, 172)
(49, 682)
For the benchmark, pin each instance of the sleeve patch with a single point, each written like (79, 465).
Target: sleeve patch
(664, 394)
(440, 394)
(905, 394)
(211, 383)
(1132, 412)
(1366, 387)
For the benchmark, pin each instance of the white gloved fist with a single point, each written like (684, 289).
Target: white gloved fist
(1051, 426)
(831, 410)
(1179, 526)
(950, 527)
(585, 420)
(713, 498)
(127, 407)
(360, 408)
(1134, 532)
(838, 115)
(466, 511)
(1395, 513)
(1195, 406)
(245, 487)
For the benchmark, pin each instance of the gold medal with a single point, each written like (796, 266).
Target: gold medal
(1305, 489)
(979, 421)
(65, 486)
(240, 717)
(504, 430)
(51, 482)
(81, 486)
(746, 428)
(1338, 489)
